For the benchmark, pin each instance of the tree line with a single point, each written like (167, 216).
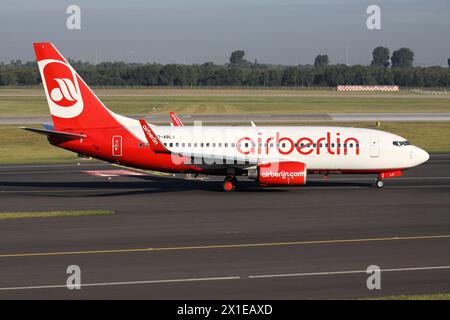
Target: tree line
(384, 70)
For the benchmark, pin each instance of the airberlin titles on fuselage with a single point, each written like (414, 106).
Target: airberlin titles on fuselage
(304, 145)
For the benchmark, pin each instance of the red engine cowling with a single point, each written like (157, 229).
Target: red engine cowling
(282, 173)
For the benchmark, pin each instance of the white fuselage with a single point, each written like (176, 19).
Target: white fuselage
(320, 148)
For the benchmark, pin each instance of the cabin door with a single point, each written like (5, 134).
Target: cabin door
(117, 146)
(374, 147)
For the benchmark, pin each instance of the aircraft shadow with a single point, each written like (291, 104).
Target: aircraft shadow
(154, 184)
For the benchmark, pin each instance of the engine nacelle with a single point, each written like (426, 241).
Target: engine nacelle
(280, 173)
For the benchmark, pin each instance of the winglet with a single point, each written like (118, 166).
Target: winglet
(153, 141)
(175, 120)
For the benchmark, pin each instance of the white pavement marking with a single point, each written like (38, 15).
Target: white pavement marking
(55, 165)
(37, 172)
(306, 274)
(113, 173)
(76, 190)
(326, 273)
(100, 284)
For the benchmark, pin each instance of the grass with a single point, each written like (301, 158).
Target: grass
(51, 214)
(22, 147)
(430, 136)
(26, 102)
(437, 296)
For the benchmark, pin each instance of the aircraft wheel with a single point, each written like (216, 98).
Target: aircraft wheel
(379, 183)
(229, 184)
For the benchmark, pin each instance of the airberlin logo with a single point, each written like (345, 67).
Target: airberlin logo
(282, 174)
(61, 87)
(65, 94)
(150, 134)
(332, 143)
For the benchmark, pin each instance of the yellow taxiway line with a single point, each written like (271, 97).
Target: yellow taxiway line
(224, 246)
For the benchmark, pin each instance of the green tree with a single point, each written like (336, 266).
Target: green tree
(380, 57)
(237, 57)
(321, 60)
(289, 77)
(402, 58)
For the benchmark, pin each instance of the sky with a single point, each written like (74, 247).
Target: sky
(289, 32)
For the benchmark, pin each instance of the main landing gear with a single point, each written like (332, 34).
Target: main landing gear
(229, 184)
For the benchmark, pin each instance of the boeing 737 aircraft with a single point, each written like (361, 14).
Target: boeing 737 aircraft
(272, 156)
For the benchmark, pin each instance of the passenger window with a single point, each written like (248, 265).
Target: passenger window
(171, 144)
(233, 145)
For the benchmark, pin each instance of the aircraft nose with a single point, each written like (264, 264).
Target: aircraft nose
(421, 155)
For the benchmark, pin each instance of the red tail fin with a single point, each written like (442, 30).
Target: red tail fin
(72, 104)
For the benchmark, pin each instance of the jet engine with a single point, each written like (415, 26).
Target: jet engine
(279, 173)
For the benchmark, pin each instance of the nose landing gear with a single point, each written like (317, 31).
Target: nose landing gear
(379, 183)
(229, 184)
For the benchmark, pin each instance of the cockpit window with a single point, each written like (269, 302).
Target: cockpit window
(401, 143)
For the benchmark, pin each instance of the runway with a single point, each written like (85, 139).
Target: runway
(173, 237)
(260, 118)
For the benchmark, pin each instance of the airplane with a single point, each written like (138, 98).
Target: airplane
(273, 156)
(175, 120)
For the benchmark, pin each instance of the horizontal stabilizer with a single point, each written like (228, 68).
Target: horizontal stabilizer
(68, 135)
